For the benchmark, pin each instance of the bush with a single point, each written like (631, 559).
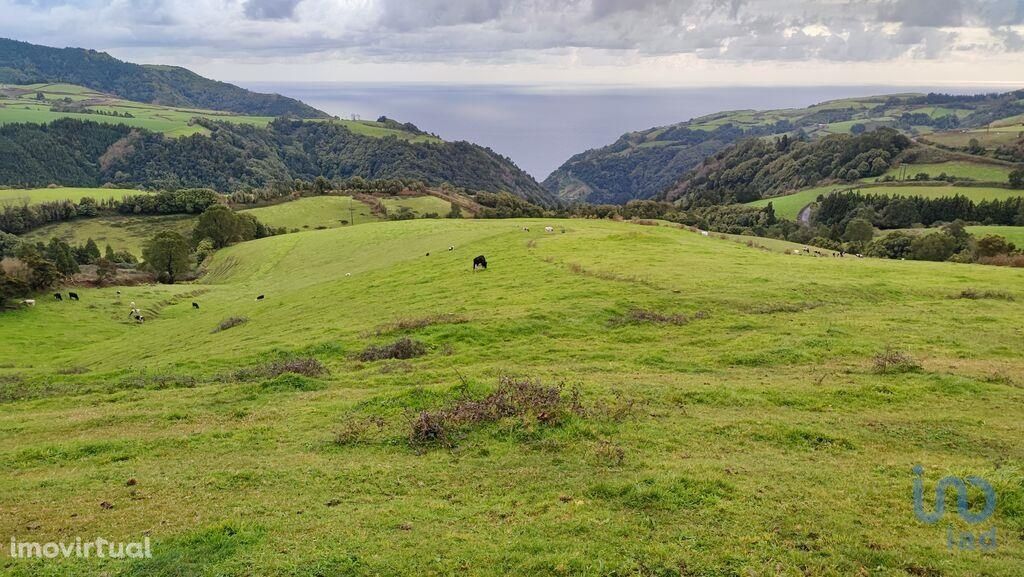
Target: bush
(974, 294)
(291, 382)
(403, 348)
(638, 315)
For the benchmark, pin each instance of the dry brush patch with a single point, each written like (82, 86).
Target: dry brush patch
(304, 366)
(894, 361)
(402, 349)
(975, 294)
(229, 323)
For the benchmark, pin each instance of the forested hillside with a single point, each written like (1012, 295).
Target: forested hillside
(643, 164)
(24, 63)
(237, 156)
(758, 168)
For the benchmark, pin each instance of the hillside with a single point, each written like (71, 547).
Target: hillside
(644, 164)
(231, 156)
(701, 388)
(24, 63)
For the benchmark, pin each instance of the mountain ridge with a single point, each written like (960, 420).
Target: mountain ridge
(25, 63)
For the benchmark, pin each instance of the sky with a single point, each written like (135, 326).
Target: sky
(654, 43)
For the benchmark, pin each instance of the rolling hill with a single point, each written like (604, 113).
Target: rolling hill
(718, 367)
(644, 164)
(230, 156)
(24, 63)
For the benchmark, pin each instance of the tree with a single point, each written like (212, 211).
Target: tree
(858, 128)
(219, 224)
(106, 270)
(61, 255)
(1017, 178)
(895, 245)
(993, 245)
(92, 251)
(975, 147)
(858, 230)
(11, 287)
(108, 254)
(937, 246)
(455, 212)
(167, 253)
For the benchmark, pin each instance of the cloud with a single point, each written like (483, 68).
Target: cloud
(270, 9)
(495, 31)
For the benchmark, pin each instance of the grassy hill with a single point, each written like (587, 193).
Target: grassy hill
(1014, 234)
(644, 164)
(41, 195)
(20, 104)
(120, 232)
(790, 205)
(731, 418)
(24, 63)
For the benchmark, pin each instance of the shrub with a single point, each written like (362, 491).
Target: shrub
(403, 348)
(410, 324)
(291, 382)
(230, 322)
(892, 361)
(514, 398)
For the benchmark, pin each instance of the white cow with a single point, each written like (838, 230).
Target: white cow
(549, 229)
(29, 302)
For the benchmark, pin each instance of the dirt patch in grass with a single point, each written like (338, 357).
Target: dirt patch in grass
(773, 308)
(637, 316)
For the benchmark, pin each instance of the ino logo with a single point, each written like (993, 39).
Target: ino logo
(965, 540)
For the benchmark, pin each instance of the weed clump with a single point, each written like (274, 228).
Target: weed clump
(639, 316)
(229, 323)
(304, 366)
(974, 294)
(514, 398)
(411, 324)
(893, 361)
(402, 349)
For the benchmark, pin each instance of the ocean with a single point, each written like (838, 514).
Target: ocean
(541, 127)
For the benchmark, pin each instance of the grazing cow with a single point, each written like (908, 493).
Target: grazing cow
(261, 297)
(451, 248)
(195, 305)
(428, 254)
(29, 302)
(480, 262)
(140, 319)
(73, 296)
(348, 274)
(525, 229)
(549, 229)
(705, 233)
(58, 297)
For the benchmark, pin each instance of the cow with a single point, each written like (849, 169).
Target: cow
(29, 302)
(480, 262)
(525, 229)
(451, 248)
(58, 297)
(73, 296)
(428, 254)
(705, 233)
(195, 305)
(549, 229)
(261, 297)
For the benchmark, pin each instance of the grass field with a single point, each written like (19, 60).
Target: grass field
(789, 206)
(120, 232)
(419, 205)
(989, 138)
(972, 170)
(314, 212)
(19, 104)
(1014, 234)
(743, 433)
(41, 195)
